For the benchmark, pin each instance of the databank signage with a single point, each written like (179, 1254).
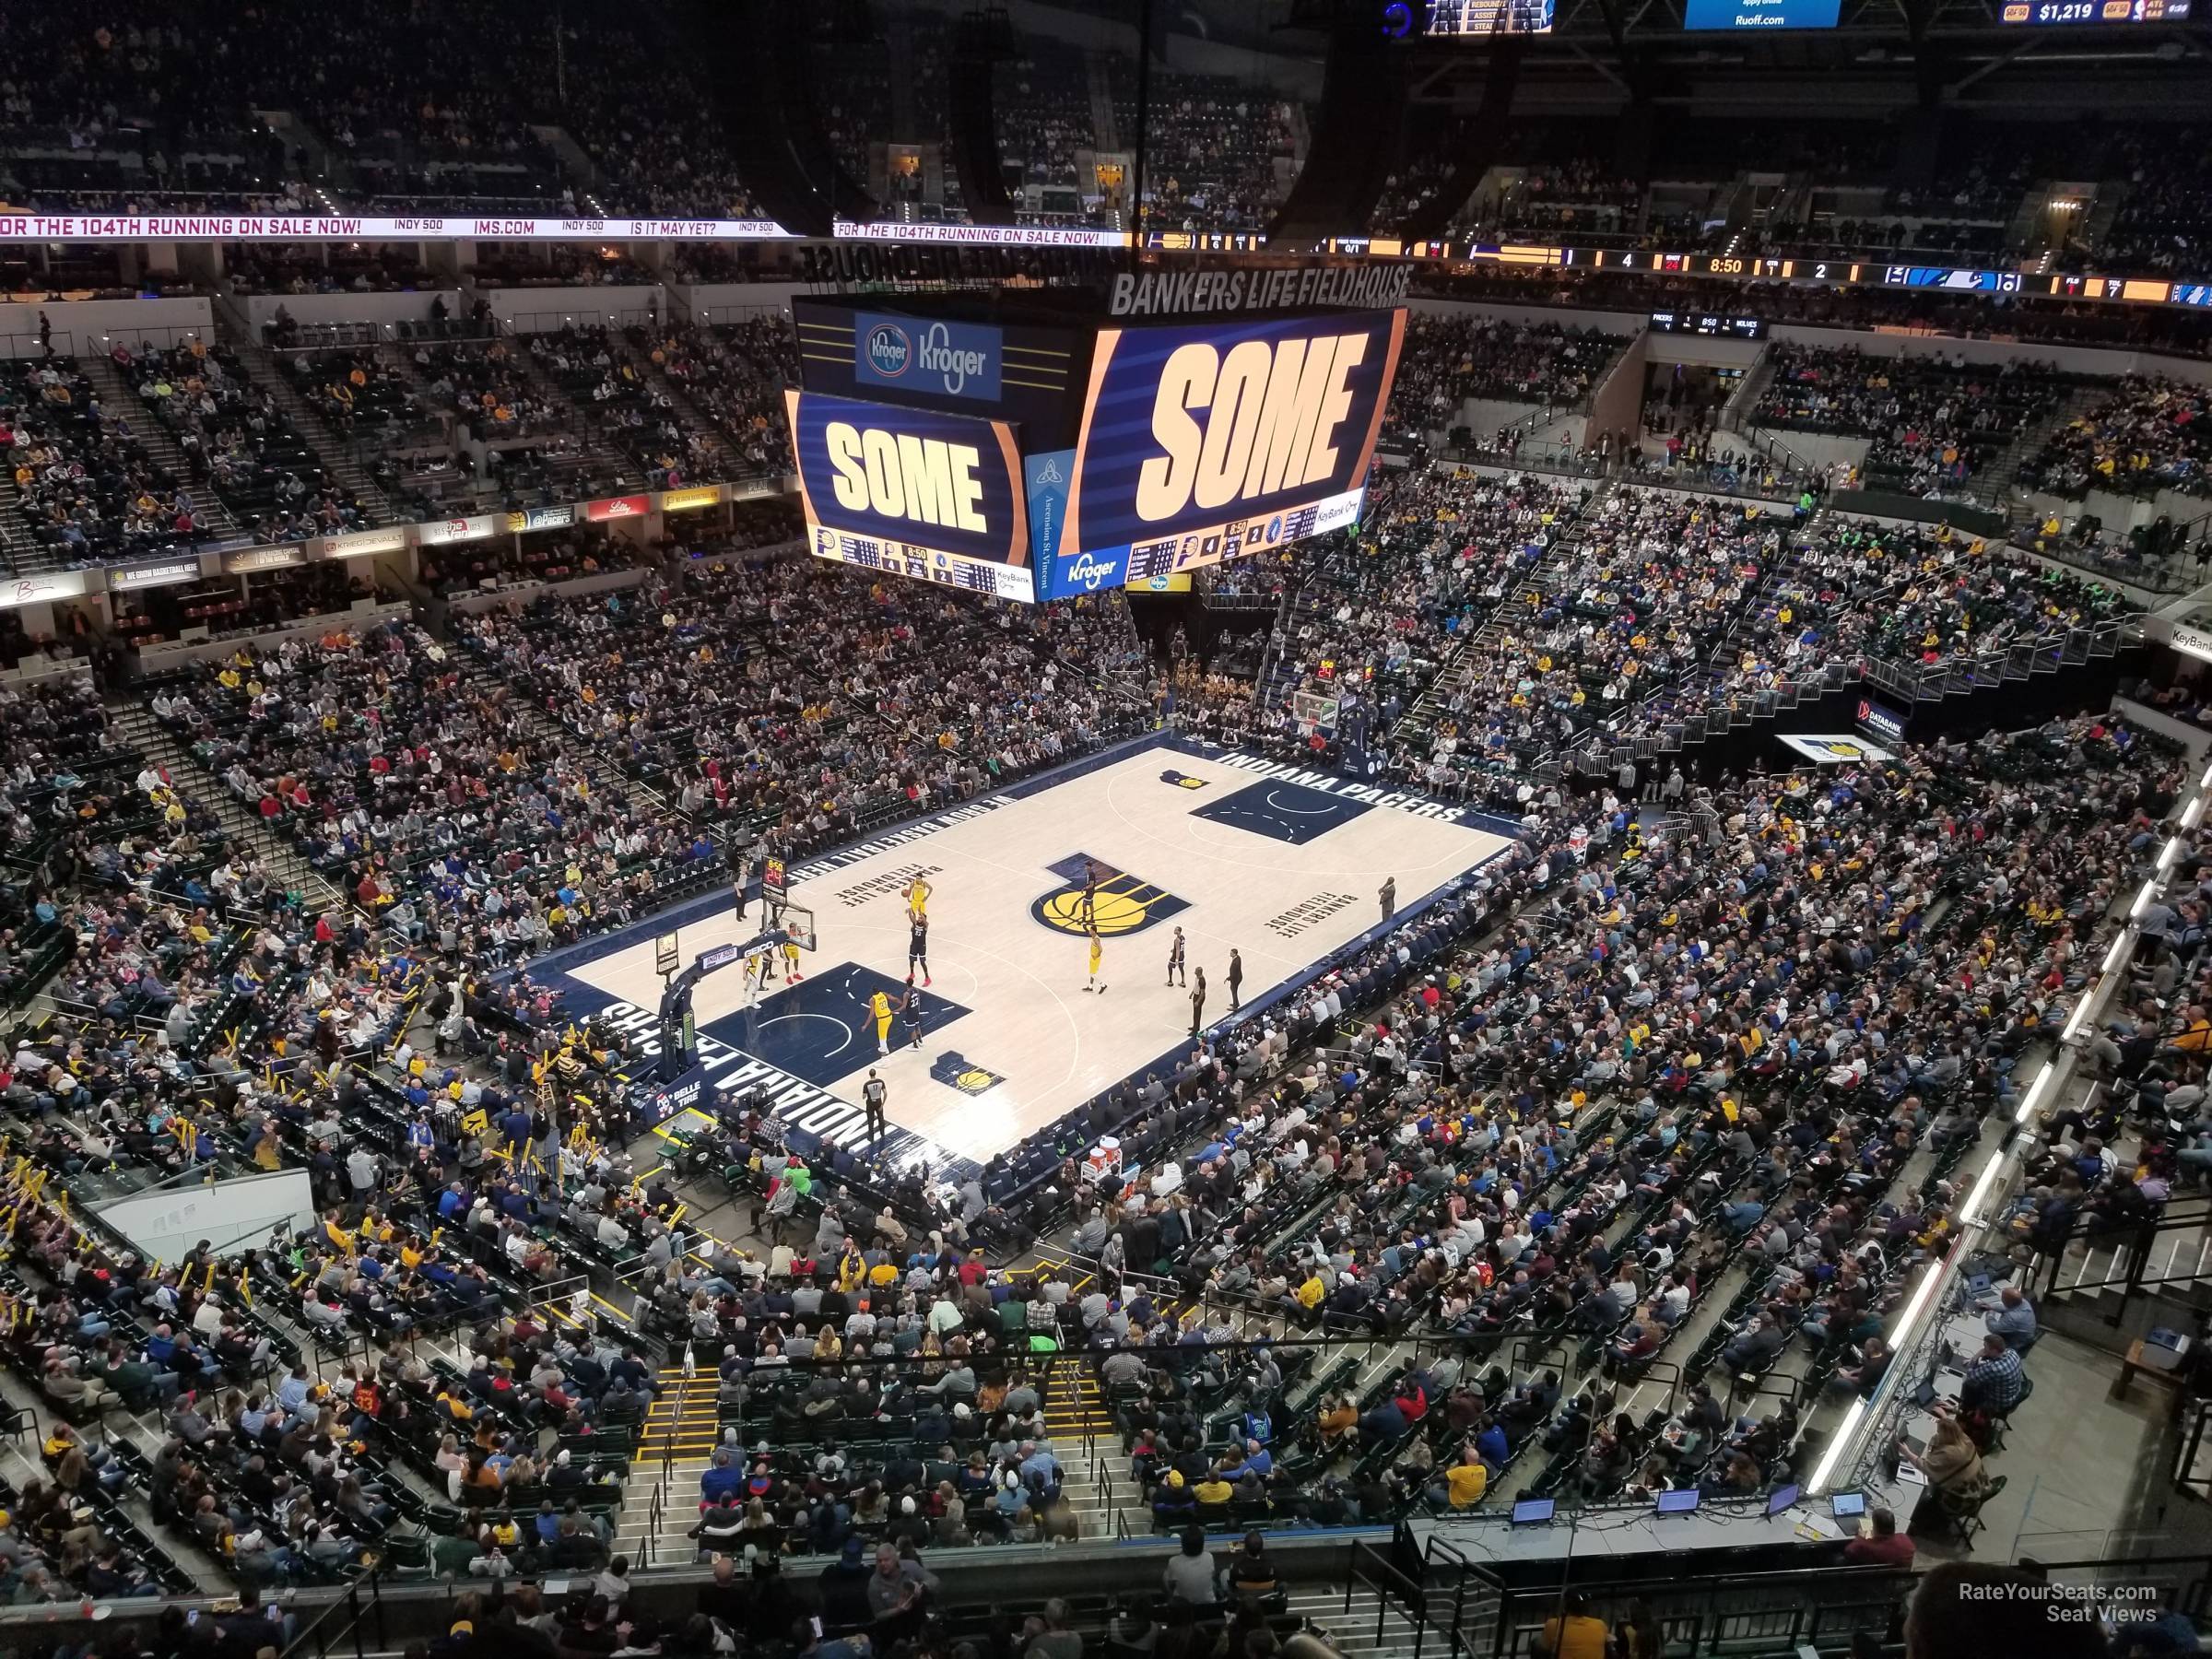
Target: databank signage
(912, 492)
(1212, 442)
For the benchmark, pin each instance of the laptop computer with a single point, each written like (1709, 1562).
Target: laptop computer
(1847, 1506)
(1677, 1503)
(1534, 1511)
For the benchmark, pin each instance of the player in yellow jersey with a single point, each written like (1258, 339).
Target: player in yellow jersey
(917, 898)
(1097, 952)
(880, 1007)
(792, 975)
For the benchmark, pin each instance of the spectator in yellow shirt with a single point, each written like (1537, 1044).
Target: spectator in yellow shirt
(1464, 1483)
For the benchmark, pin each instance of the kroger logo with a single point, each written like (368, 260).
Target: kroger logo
(951, 364)
(889, 351)
(1091, 571)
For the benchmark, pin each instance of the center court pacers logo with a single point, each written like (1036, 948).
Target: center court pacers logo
(1122, 904)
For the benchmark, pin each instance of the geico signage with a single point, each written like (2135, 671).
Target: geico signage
(1189, 426)
(946, 480)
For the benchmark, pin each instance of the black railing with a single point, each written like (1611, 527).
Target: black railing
(2135, 1245)
(338, 1625)
(1370, 1566)
(1759, 1612)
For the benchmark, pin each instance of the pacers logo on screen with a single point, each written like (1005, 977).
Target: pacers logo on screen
(1264, 417)
(1096, 894)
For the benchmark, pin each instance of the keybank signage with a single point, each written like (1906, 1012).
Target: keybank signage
(938, 359)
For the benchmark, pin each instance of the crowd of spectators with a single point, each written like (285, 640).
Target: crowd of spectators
(85, 487)
(686, 684)
(238, 441)
(2164, 222)
(1215, 148)
(737, 373)
(1449, 358)
(2150, 434)
(1516, 1124)
(1640, 593)
(1572, 200)
(426, 795)
(1934, 421)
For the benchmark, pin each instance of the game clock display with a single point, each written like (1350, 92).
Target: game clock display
(1709, 323)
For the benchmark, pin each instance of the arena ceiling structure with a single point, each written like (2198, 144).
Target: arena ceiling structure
(1378, 81)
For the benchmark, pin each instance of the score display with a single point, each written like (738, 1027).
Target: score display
(2058, 14)
(1710, 323)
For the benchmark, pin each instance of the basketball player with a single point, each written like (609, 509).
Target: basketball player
(1175, 950)
(880, 1007)
(792, 975)
(917, 900)
(910, 1014)
(917, 947)
(1097, 952)
(760, 968)
(1089, 908)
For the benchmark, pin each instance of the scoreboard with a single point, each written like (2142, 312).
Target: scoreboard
(1029, 465)
(2067, 14)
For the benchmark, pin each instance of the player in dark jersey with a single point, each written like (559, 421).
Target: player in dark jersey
(917, 949)
(1090, 912)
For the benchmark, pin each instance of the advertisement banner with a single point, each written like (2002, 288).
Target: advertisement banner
(1760, 14)
(942, 359)
(165, 572)
(946, 483)
(1213, 440)
(542, 518)
(257, 228)
(1878, 721)
(439, 532)
(692, 499)
(244, 562)
(617, 507)
(996, 236)
(361, 543)
(39, 589)
(680, 1093)
(917, 563)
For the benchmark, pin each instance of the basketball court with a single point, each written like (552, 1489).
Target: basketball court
(1283, 866)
